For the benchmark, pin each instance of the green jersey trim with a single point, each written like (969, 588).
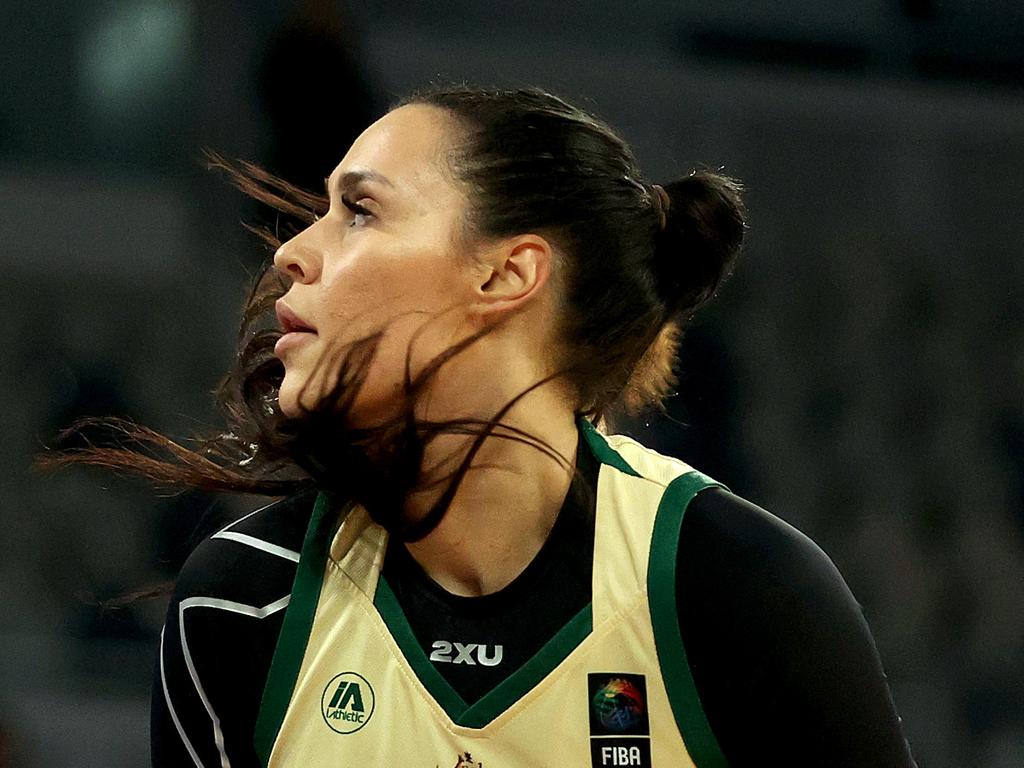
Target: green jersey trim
(542, 663)
(390, 611)
(503, 695)
(601, 448)
(298, 622)
(290, 650)
(526, 677)
(668, 640)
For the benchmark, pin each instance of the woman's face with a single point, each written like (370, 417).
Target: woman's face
(386, 256)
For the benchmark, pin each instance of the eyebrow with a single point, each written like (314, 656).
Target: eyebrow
(351, 178)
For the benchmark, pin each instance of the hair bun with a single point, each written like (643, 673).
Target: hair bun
(704, 227)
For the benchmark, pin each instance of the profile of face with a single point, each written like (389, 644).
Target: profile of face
(390, 255)
(382, 258)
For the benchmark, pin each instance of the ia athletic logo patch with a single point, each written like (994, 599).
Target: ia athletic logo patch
(619, 722)
(347, 702)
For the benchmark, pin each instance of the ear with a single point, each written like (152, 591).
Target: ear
(514, 272)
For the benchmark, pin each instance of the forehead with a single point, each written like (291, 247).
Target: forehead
(407, 147)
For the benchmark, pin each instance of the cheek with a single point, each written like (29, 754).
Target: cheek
(406, 294)
(354, 302)
(369, 294)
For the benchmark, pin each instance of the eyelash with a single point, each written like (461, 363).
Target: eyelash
(357, 210)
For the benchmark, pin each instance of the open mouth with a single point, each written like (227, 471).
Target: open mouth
(291, 322)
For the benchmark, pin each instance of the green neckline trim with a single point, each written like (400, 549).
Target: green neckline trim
(668, 640)
(298, 622)
(301, 612)
(390, 611)
(503, 695)
(602, 449)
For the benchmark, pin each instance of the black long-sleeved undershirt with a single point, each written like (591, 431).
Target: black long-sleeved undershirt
(783, 660)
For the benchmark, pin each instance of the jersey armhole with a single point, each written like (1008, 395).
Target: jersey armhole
(298, 621)
(668, 640)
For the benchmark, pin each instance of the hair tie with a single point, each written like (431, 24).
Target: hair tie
(661, 202)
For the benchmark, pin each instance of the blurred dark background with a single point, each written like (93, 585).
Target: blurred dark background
(862, 376)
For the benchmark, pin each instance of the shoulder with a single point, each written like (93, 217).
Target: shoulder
(266, 541)
(637, 460)
(280, 525)
(741, 541)
(231, 594)
(726, 536)
(234, 586)
(777, 643)
(220, 633)
(745, 574)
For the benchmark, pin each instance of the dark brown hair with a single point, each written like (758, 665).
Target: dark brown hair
(530, 161)
(636, 267)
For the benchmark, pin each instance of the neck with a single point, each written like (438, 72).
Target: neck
(505, 505)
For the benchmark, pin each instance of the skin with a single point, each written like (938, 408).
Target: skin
(404, 263)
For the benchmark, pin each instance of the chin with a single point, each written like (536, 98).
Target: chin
(289, 407)
(288, 399)
(376, 402)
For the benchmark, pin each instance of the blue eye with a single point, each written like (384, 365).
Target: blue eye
(360, 215)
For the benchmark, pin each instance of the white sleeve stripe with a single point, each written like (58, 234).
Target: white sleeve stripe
(233, 607)
(247, 516)
(224, 605)
(170, 707)
(252, 541)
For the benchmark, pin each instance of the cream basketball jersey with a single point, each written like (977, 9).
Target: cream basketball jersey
(350, 686)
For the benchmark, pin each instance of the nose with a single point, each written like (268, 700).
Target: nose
(297, 259)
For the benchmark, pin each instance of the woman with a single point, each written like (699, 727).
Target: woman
(465, 569)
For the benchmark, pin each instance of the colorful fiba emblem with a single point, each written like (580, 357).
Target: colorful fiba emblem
(619, 705)
(620, 725)
(347, 702)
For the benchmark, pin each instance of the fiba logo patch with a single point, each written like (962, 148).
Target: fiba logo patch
(618, 705)
(347, 702)
(619, 722)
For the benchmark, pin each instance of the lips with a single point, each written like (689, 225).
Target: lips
(289, 321)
